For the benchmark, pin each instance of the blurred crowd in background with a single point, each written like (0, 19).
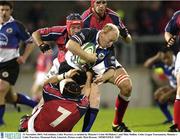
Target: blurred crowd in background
(145, 21)
(141, 18)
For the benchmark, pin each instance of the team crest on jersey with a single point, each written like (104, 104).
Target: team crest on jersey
(101, 56)
(9, 30)
(5, 74)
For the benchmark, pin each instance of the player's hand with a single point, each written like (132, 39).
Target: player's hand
(160, 55)
(99, 79)
(89, 75)
(21, 60)
(71, 73)
(49, 52)
(171, 41)
(91, 58)
(44, 47)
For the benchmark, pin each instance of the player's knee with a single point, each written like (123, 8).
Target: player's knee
(162, 100)
(178, 91)
(126, 88)
(156, 95)
(4, 87)
(95, 102)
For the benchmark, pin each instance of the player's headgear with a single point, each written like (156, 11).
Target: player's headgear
(73, 19)
(70, 89)
(80, 78)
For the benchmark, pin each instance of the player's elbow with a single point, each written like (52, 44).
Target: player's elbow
(128, 39)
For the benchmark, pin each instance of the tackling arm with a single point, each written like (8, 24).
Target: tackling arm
(57, 78)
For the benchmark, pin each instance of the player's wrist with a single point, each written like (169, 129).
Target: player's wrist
(60, 77)
(64, 75)
(44, 47)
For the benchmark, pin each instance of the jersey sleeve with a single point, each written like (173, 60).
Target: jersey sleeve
(173, 25)
(23, 34)
(85, 35)
(52, 33)
(86, 17)
(118, 22)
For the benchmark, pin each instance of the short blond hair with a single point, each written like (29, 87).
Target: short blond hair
(111, 27)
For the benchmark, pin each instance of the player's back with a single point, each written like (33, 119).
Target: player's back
(59, 113)
(58, 116)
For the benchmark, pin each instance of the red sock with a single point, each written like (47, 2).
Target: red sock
(120, 109)
(177, 113)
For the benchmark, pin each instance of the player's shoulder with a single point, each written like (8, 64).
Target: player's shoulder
(59, 29)
(111, 13)
(86, 13)
(18, 23)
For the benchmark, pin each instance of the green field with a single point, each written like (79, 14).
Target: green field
(137, 119)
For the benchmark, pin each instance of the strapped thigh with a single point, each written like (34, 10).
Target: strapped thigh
(121, 78)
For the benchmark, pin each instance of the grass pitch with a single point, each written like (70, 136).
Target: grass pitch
(137, 119)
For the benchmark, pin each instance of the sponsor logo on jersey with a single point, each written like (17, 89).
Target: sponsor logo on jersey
(3, 40)
(5, 74)
(9, 30)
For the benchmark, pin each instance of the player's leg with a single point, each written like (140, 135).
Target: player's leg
(38, 86)
(162, 101)
(122, 80)
(19, 98)
(23, 125)
(177, 104)
(8, 76)
(4, 87)
(176, 125)
(93, 110)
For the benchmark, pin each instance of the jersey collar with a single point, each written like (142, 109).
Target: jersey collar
(11, 19)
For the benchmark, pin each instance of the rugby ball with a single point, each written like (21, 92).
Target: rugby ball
(89, 48)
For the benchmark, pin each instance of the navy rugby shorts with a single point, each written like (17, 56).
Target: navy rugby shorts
(9, 71)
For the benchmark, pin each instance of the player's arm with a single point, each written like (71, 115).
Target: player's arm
(76, 49)
(28, 50)
(24, 36)
(124, 33)
(170, 39)
(57, 78)
(171, 30)
(150, 61)
(76, 41)
(39, 42)
(106, 76)
(87, 87)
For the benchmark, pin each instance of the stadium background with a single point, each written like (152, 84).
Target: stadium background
(145, 21)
